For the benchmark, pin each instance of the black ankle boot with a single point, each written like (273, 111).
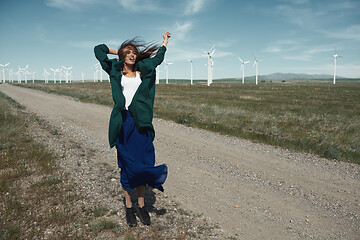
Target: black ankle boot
(144, 216)
(130, 217)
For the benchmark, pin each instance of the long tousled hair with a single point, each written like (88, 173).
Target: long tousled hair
(142, 49)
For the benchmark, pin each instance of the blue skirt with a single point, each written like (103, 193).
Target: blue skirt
(136, 157)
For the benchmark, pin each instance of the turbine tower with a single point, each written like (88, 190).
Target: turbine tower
(335, 56)
(82, 77)
(256, 62)
(11, 75)
(167, 70)
(46, 76)
(61, 72)
(66, 73)
(55, 71)
(96, 66)
(157, 81)
(3, 70)
(210, 64)
(24, 70)
(33, 75)
(243, 68)
(191, 71)
(18, 73)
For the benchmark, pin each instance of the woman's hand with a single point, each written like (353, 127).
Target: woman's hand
(113, 51)
(166, 36)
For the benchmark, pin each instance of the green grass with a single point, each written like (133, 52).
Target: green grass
(35, 196)
(39, 201)
(313, 117)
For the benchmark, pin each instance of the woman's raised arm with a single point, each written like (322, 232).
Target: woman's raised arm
(166, 37)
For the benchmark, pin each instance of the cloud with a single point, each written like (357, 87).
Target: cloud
(285, 45)
(84, 44)
(194, 6)
(295, 1)
(351, 32)
(181, 31)
(139, 5)
(69, 4)
(272, 49)
(302, 17)
(129, 5)
(309, 54)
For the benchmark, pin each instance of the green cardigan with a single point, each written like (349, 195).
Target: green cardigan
(142, 103)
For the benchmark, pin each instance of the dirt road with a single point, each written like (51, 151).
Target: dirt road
(252, 191)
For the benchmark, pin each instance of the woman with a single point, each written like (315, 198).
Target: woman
(132, 79)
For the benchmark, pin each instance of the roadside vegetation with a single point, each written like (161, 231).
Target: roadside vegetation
(317, 117)
(39, 201)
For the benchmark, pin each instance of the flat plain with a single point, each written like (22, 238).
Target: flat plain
(313, 117)
(249, 190)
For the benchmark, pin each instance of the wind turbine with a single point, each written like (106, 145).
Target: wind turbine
(61, 72)
(210, 64)
(3, 69)
(96, 66)
(70, 76)
(167, 70)
(33, 75)
(335, 56)
(55, 71)
(46, 76)
(18, 73)
(82, 77)
(101, 73)
(243, 68)
(157, 81)
(256, 62)
(11, 75)
(191, 71)
(66, 73)
(24, 70)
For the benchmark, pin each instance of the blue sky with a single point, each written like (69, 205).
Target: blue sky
(297, 36)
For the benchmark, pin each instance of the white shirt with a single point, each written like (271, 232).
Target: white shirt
(129, 87)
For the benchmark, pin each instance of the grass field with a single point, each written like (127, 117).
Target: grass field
(37, 201)
(314, 117)
(34, 196)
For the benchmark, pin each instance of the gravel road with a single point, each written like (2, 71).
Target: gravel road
(251, 190)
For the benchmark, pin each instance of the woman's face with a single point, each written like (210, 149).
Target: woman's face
(129, 55)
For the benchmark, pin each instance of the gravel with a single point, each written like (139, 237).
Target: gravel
(249, 190)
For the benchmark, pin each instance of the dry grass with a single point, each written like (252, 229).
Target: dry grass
(318, 117)
(39, 201)
(36, 199)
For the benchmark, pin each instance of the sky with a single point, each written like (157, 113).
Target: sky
(287, 36)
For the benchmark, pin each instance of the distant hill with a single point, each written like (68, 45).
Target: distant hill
(294, 76)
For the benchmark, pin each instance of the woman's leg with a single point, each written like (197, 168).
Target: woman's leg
(130, 211)
(141, 194)
(127, 198)
(143, 213)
